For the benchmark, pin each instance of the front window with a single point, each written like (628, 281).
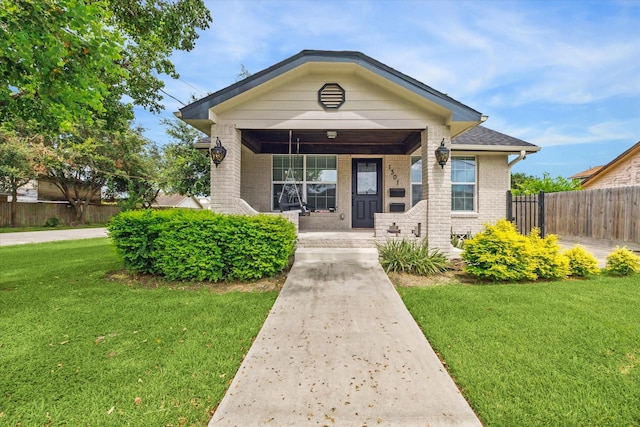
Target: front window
(315, 178)
(463, 184)
(416, 179)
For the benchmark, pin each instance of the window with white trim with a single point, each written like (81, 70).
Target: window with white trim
(463, 184)
(416, 179)
(315, 176)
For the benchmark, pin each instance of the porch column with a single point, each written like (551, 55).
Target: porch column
(436, 188)
(225, 179)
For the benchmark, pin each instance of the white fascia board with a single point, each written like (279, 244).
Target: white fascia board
(494, 148)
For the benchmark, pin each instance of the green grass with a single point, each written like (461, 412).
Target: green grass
(547, 354)
(79, 349)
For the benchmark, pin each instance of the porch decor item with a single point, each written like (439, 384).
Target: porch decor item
(290, 193)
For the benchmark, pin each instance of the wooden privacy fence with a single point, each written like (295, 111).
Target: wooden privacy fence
(527, 212)
(35, 214)
(603, 213)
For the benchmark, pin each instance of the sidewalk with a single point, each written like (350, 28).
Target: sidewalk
(340, 348)
(7, 239)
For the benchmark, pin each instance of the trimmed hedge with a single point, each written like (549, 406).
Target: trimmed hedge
(185, 244)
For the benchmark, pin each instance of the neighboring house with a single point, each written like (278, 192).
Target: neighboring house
(586, 173)
(44, 190)
(164, 201)
(362, 138)
(622, 171)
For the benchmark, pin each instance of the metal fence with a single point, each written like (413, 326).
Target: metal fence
(527, 211)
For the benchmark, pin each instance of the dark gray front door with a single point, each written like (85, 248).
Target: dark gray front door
(366, 191)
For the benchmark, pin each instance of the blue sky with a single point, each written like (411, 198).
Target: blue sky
(564, 75)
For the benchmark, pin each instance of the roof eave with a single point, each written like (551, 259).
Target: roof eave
(513, 149)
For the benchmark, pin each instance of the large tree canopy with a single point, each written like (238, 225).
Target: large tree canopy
(186, 171)
(69, 61)
(527, 184)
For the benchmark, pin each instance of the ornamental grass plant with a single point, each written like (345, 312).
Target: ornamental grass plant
(412, 257)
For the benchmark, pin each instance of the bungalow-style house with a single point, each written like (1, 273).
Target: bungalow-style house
(359, 144)
(624, 170)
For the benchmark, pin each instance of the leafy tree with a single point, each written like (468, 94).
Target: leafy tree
(69, 61)
(527, 184)
(187, 171)
(137, 183)
(83, 161)
(18, 166)
(243, 74)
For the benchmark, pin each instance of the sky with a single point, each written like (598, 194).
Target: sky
(564, 75)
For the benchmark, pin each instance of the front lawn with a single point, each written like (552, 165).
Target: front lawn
(78, 348)
(546, 354)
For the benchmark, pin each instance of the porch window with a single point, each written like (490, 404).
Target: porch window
(316, 178)
(463, 184)
(416, 179)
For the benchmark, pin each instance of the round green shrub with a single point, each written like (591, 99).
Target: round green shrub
(622, 261)
(581, 262)
(500, 253)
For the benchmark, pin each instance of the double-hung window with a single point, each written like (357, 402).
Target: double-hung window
(315, 177)
(463, 184)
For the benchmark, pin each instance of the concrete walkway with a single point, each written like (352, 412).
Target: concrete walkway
(20, 238)
(340, 348)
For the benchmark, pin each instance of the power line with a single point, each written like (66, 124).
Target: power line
(192, 87)
(173, 97)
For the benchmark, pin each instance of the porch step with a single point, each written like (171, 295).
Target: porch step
(343, 255)
(336, 240)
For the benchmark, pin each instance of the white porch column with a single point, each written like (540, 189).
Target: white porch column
(225, 179)
(436, 188)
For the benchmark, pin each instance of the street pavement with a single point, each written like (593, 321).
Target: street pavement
(20, 238)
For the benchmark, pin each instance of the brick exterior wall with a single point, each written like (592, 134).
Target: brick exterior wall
(225, 179)
(436, 188)
(625, 173)
(256, 180)
(491, 192)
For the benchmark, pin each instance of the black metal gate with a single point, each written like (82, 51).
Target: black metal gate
(526, 212)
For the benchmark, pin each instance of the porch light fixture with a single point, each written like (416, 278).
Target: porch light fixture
(218, 152)
(442, 154)
(331, 134)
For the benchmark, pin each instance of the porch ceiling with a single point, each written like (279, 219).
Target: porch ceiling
(378, 142)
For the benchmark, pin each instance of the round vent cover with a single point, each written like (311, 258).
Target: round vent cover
(331, 96)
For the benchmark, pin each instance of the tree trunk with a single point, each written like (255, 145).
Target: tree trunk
(14, 207)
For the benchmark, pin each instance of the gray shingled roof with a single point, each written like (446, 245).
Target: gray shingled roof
(482, 136)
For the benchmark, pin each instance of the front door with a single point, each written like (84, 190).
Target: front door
(366, 191)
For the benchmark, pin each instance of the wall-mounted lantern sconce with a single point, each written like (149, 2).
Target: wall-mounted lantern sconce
(442, 154)
(218, 152)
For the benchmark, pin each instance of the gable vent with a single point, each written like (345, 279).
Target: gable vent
(331, 96)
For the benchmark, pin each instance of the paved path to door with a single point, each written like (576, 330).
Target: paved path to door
(340, 348)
